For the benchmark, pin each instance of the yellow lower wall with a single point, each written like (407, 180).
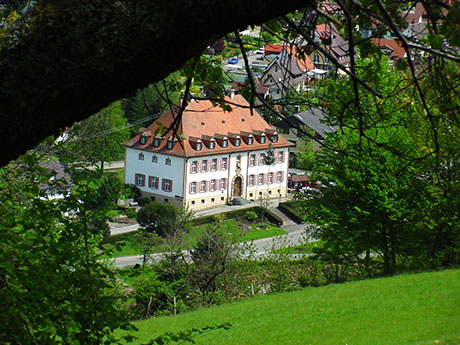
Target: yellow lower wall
(199, 202)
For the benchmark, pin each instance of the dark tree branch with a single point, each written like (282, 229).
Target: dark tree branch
(65, 60)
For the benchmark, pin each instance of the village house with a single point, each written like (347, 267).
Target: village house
(313, 120)
(329, 38)
(287, 70)
(216, 157)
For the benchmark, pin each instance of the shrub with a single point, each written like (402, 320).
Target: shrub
(250, 216)
(286, 208)
(130, 213)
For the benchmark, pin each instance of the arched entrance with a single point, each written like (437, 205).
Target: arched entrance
(237, 187)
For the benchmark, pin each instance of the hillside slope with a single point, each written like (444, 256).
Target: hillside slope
(406, 309)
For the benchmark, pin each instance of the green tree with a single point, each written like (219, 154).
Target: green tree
(97, 139)
(369, 194)
(210, 257)
(55, 285)
(164, 219)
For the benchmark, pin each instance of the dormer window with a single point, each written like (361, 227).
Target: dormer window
(250, 140)
(154, 159)
(169, 144)
(262, 139)
(237, 141)
(199, 146)
(143, 140)
(225, 143)
(156, 142)
(275, 138)
(212, 144)
(141, 156)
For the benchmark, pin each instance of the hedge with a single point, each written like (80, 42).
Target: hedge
(273, 218)
(290, 212)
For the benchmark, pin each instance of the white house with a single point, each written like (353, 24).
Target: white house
(217, 157)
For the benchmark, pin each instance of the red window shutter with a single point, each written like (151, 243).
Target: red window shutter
(150, 181)
(190, 188)
(209, 165)
(207, 186)
(266, 178)
(282, 157)
(275, 158)
(282, 176)
(191, 164)
(170, 185)
(143, 180)
(163, 184)
(218, 164)
(225, 183)
(136, 178)
(256, 160)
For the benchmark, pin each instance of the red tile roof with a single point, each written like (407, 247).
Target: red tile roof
(202, 120)
(397, 50)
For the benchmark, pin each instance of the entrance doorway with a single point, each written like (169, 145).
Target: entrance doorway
(237, 187)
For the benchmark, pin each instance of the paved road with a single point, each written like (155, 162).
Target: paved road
(259, 248)
(119, 228)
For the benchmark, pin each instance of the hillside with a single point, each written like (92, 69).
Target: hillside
(406, 309)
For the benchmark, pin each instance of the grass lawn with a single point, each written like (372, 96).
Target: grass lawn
(231, 226)
(410, 309)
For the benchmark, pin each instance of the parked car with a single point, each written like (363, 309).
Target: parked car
(233, 60)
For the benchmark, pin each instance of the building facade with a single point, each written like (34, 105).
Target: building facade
(215, 157)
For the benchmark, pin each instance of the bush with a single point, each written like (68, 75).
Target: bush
(250, 216)
(286, 208)
(131, 213)
(273, 218)
(153, 296)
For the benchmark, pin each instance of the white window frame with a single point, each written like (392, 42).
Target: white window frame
(262, 159)
(222, 183)
(194, 167)
(139, 178)
(214, 164)
(278, 176)
(212, 186)
(204, 165)
(280, 157)
(202, 186)
(270, 178)
(252, 160)
(251, 180)
(260, 179)
(224, 163)
(168, 185)
(193, 188)
(155, 182)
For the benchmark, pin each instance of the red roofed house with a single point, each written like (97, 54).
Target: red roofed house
(287, 70)
(393, 49)
(330, 39)
(218, 156)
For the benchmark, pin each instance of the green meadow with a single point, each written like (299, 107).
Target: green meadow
(407, 309)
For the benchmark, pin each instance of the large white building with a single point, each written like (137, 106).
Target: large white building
(216, 157)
